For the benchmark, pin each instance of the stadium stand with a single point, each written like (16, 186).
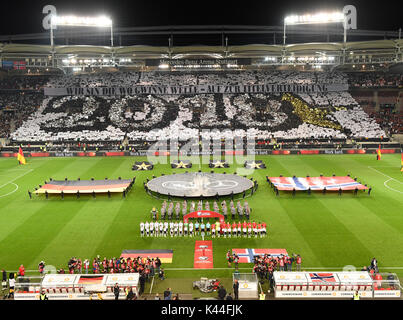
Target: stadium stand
(149, 117)
(375, 80)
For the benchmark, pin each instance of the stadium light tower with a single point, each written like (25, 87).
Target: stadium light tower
(318, 18)
(74, 21)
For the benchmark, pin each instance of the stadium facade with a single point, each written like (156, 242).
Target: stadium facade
(240, 47)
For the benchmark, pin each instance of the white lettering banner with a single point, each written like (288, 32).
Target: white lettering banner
(200, 89)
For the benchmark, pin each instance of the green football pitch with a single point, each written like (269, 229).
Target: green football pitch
(329, 231)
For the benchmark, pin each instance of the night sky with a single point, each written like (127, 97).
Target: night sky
(26, 16)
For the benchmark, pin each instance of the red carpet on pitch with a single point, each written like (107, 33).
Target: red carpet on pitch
(203, 258)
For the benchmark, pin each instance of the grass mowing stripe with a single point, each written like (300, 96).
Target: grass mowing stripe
(30, 237)
(377, 233)
(18, 204)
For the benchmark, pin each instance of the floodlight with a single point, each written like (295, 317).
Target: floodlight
(74, 21)
(163, 66)
(101, 21)
(321, 17)
(318, 18)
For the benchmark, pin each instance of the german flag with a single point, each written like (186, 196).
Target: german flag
(20, 156)
(165, 256)
(91, 279)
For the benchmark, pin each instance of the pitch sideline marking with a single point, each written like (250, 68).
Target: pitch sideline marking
(5, 170)
(383, 166)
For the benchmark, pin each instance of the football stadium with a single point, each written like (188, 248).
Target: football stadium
(138, 164)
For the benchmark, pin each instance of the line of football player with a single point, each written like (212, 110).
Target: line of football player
(202, 228)
(168, 208)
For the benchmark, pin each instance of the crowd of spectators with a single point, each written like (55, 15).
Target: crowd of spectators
(99, 79)
(15, 108)
(391, 122)
(189, 78)
(375, 80)
(130, 78)
(23, 82)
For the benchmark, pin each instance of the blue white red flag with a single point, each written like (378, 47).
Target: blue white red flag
(247, 255)
(316, 183)
(19, 65)
(322, 277)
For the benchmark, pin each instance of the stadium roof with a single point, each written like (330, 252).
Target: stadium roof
(232, 51)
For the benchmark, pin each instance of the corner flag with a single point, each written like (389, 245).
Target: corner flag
(379, 153)
(20, 156)
(401, 163)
